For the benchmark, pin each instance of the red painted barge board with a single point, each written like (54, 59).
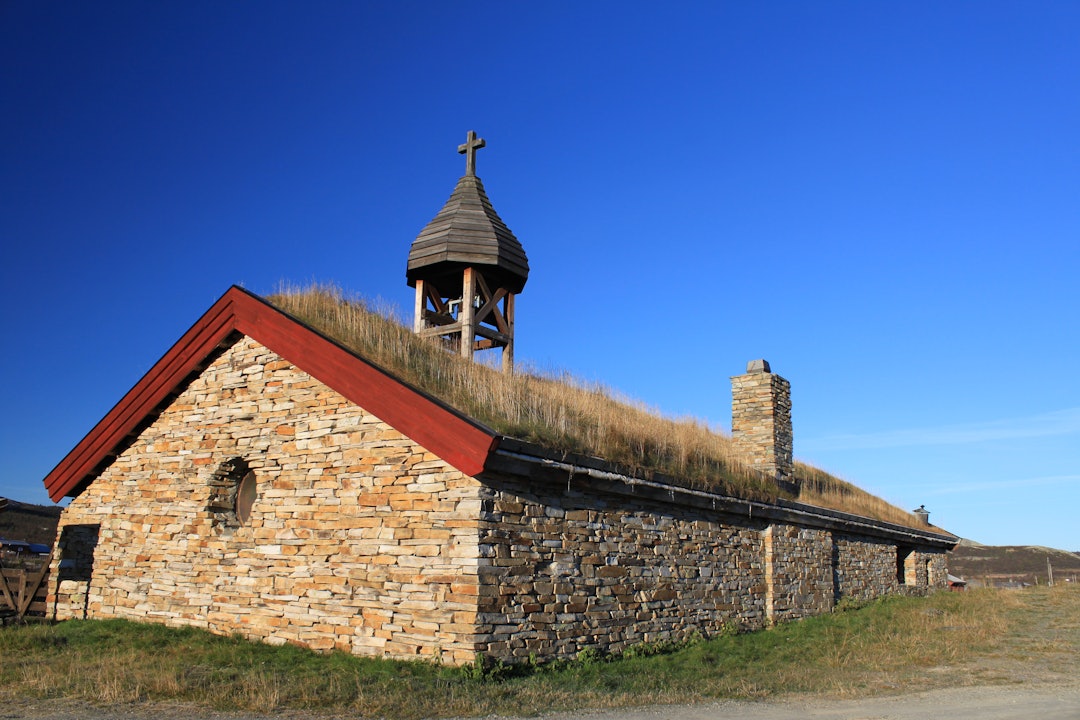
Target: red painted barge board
(460, 441)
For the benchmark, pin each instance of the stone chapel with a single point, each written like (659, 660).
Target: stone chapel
(264, 479)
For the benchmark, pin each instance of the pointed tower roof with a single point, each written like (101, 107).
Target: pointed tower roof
(468, 232)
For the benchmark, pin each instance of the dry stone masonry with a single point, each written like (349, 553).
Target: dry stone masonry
(358, 540)
(761, 420)
(257, 499)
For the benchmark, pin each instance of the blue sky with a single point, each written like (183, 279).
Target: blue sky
(882, 199)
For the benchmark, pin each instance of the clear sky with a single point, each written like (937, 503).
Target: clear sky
(882, 199)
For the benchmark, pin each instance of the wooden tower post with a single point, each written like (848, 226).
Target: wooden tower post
(467, 267)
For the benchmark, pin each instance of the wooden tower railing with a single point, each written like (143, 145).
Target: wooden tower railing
(485, 323)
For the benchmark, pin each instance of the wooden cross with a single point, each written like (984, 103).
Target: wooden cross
(469, 151)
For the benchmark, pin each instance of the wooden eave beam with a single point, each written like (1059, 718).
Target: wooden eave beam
(491, 308)
(438, 318)
(435, 296)
(492, 334)
(440, 330)
(487, 344)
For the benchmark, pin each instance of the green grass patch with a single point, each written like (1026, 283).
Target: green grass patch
(887, 646)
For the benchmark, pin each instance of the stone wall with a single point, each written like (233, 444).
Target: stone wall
(922, 569)
(565, 569)
(937, 572)
(72, 569)
(358, 538)
(580, 564)
(864, 568)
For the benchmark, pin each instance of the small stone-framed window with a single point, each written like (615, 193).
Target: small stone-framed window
(246, 492)
(906, 572)
(233, 490)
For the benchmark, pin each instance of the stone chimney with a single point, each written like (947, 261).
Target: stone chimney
(761, 420)
(923, 514)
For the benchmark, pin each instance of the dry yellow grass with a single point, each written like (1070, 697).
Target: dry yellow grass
(985, 637)
(817, 487)
(561, 412)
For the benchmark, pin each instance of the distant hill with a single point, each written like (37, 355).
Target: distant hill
(30, 523)
(983, 565)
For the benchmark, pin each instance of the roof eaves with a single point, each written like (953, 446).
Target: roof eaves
(539, 463)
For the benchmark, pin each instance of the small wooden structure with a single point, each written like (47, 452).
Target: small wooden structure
(23, 589)
(467, 267)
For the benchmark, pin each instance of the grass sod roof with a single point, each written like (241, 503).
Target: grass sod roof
(563, 413)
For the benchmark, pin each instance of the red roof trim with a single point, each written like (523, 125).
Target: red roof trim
(455, 438)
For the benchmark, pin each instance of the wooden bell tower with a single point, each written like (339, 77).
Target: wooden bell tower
(467, 267)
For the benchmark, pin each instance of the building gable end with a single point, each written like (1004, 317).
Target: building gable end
(460, 441)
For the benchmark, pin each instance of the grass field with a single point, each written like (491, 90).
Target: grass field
(893, 645)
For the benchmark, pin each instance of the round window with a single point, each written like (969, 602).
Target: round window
(245, 497)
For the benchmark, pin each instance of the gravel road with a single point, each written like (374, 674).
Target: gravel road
(971, 703)
(986, 703)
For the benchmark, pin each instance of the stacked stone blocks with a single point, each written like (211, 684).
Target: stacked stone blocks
(567, 572)
(799, 576)
(761, 420)
(361, 540)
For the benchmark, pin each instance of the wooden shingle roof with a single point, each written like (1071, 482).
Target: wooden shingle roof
(468, 232)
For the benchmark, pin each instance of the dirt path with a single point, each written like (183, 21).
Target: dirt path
(987, 703)
(972, 703)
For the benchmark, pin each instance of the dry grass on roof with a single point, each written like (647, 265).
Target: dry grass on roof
(817, 487)
(558, 411)
(554, 410)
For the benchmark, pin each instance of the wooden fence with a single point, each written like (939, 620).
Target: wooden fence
(23, 591)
